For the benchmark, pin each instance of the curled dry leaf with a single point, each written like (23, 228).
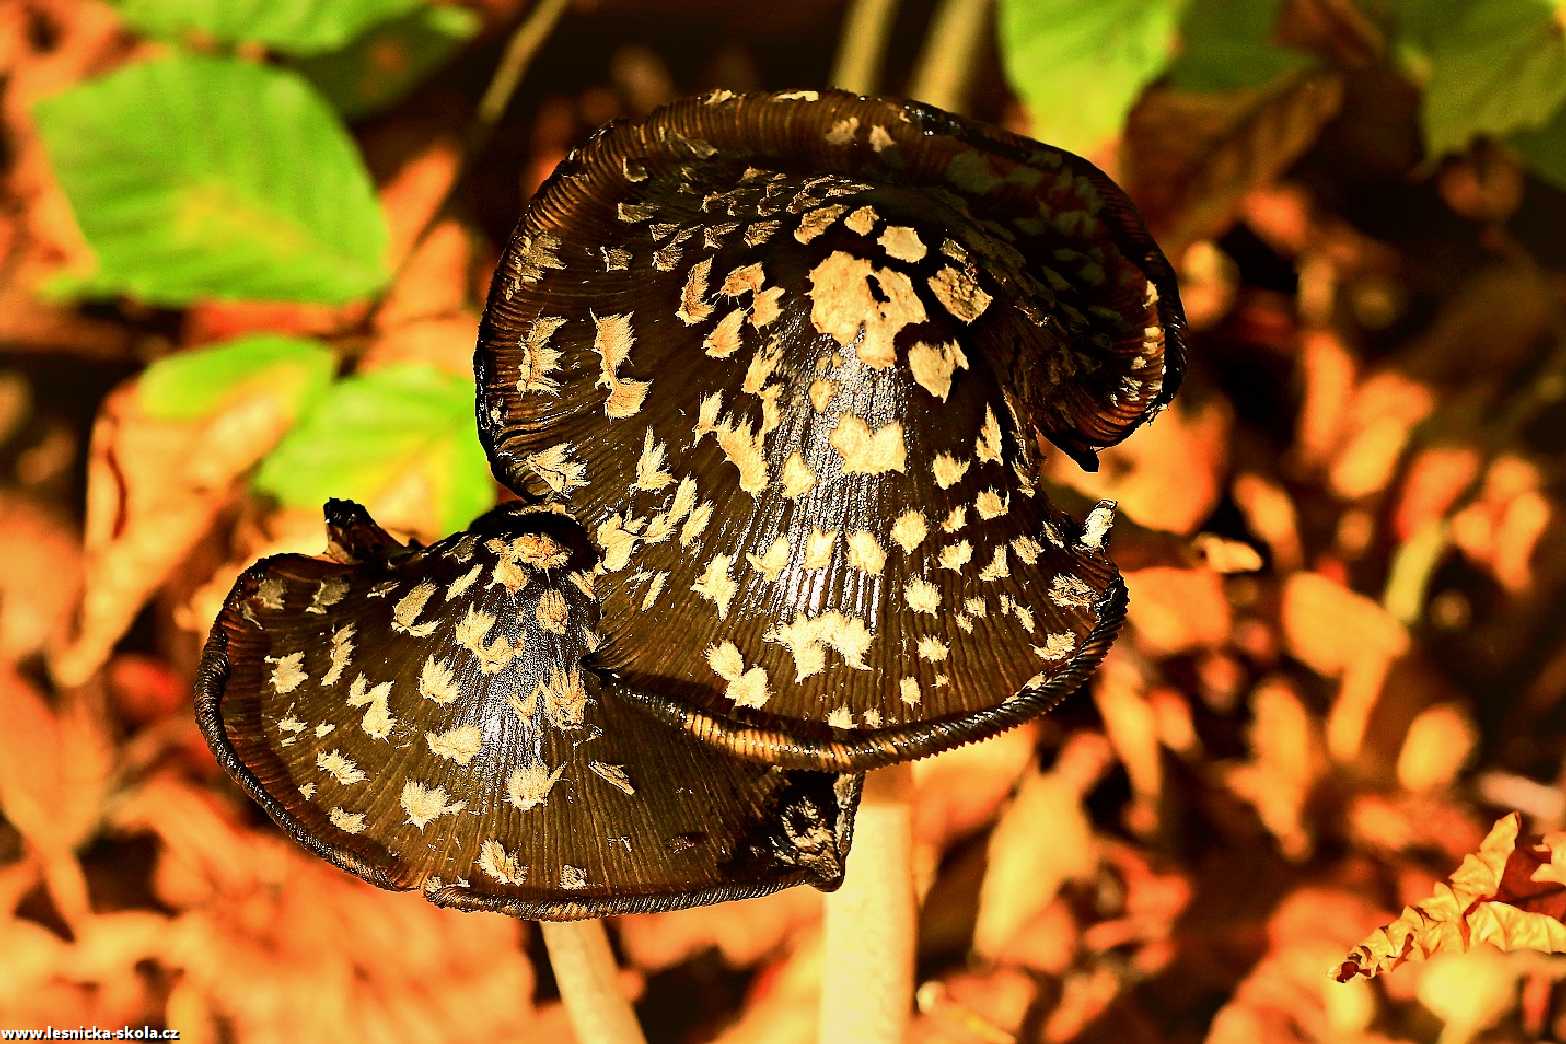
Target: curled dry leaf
(249, 908)
(1508, 895)
(158, 477)
(41, 579)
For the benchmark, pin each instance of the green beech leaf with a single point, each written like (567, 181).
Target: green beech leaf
(291, 26)
(378, 69)
(1544, 149)
(197, 177)
(1494, 67)
(1225, 45)
(200, 381)
(1079, 66)
(375, 436)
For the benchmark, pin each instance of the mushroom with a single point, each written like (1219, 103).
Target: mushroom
(421, 717)
(786, 356)
(791, 359)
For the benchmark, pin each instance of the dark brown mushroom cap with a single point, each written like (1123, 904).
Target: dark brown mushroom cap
(422, 717)
(787, 357)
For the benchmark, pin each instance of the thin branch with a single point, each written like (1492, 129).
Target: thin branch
(945, 68)
(863, 45)
(524, 43)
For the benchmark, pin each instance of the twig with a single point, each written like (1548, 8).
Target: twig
(585, 971)
(946, 63)
(867, 977)
(863, 45)
(525, 41)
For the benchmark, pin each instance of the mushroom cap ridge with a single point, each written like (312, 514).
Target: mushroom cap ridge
(504, 778)
(789, 352)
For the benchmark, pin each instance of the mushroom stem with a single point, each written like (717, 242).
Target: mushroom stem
(867, 976)
(586, 973)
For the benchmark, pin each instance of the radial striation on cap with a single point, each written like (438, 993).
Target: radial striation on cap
(791, 359)
(422, 717)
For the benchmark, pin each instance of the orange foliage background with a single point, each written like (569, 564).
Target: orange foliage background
(1344, 660)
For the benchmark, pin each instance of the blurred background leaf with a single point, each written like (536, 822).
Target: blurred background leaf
(204, 380)
(402, 440)
(1078, 67)
(378, 68)
(288, 26)
(1224, 44)
(1496, 66)
(1544, 149)
(198, 177)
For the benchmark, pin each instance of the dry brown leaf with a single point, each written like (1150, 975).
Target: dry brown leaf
(54, 767)
(209, 321)
(1132, 729)
(1339, 633)
(1501, 530)
(1190, 157)
(1286, 763)
(1508, 895)
(1377, 427)
(1328, 375)
(1167, 475)
(443, 341)
(1177, 610)
(1270, 513)
(781, 1006)
(1338, 28)
(658, 941)
(1435, 479)
(1043, 839)
(42, 577)
(154, 487)
(286, 947)
(959, 791)
(1439, 743)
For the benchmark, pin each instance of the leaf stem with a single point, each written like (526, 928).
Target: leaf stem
(945, 67)
(585, 971)
(863, 45)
